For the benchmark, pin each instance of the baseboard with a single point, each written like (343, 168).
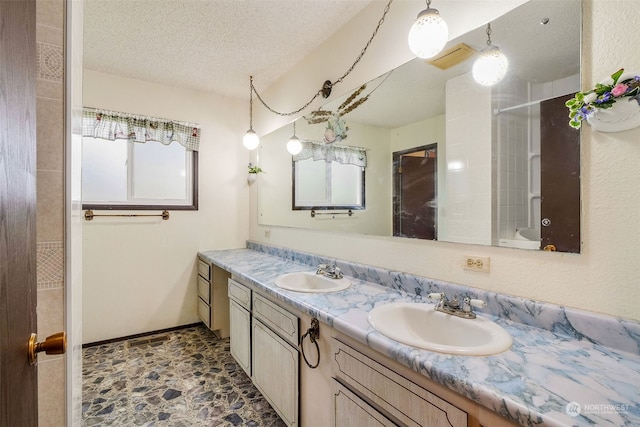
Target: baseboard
(144, 334)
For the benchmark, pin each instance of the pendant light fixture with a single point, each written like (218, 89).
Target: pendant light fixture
(428, 34)
(294, 146)
(492, 64)
(251, 139)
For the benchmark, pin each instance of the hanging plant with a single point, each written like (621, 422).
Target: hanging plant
(254, 169)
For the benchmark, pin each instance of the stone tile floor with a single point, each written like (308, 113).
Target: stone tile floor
(188, 380)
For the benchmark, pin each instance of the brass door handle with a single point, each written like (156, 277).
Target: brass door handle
(54, 344)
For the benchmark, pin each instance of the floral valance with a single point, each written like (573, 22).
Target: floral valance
(332, 153)
(113, 125)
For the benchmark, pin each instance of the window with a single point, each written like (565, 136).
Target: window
(118, 172)
(328, 177)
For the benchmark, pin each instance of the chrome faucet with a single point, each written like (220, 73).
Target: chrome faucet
(329, 270)
(455, 307)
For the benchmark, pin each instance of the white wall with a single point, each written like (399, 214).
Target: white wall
(603, 278)
(139, 274)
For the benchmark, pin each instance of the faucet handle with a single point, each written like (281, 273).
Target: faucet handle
(436, 296)
(468, 303)
(477, 303)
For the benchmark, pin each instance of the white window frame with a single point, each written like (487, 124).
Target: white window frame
(189, 203)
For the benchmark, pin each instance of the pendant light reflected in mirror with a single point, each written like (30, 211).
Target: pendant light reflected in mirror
(428, 34)
(492, 65)
(294, 146)
(251, 139)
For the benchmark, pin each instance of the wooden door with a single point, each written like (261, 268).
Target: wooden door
(415, 184)
(559, 178)
(18, 379)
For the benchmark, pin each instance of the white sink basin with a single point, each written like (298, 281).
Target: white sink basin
(419, 325)
(311, 282)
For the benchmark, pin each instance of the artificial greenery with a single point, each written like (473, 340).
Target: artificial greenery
(350, 104)
(603, 96)
(254, 169)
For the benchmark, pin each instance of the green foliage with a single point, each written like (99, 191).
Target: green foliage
(254, 169)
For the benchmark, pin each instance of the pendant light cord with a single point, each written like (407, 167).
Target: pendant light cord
(338, 81)
(250, 102)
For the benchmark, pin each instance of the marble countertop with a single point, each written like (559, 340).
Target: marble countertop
(541, 380)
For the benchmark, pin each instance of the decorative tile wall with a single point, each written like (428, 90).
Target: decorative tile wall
(50, 204)
(50, 61)
(50, 256)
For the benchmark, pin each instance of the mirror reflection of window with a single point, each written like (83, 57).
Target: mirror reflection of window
(327, 176)
(321, 184)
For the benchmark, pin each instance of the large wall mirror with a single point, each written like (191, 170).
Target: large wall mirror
(449, 159)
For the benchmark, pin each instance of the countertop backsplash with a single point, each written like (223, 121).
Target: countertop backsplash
(612, 332)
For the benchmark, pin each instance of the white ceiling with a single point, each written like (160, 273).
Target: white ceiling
(215, 45)
(208, 45)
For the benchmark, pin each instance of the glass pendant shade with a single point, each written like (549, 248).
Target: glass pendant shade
(294, 146)
(491, 66)
(429, 34)
(251, 140)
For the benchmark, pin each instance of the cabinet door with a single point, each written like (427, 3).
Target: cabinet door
(275, 372)
(351, 411)
(240, 326)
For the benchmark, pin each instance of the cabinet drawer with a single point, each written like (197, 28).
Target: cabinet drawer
(204, 269)
(204, 312)
(203, 290)
(240, 294)
(351, 411)
(402, 399)
(277, 318)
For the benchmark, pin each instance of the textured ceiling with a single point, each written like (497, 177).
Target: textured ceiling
(208, 45)
(215, 45)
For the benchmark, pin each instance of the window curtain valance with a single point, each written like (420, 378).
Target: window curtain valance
(114, 125)
(332, 153)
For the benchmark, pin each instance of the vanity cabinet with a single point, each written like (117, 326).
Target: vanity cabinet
(351, 411)
(406, 403)
(275, 358)
(213, 308)
(381, 390)
(240, 324)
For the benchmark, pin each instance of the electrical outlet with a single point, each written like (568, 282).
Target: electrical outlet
(476, 263)
(267, 233)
